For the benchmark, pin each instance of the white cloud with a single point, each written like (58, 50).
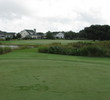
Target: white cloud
(52, 15)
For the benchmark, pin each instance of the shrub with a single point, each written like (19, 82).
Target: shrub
(43, 49)
(80, 44)
(1, 50)
(77, 49)
(104, 44)
(58, 50)
(5, 50)
(55, 49)
(92, 51)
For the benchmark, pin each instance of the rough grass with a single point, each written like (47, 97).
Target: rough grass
(28, 75)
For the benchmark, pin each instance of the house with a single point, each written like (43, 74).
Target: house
(2, 36)
(40, 35)
(10, 35)
(5, 35)
(31, 34)
(28, 34)
(59, 35)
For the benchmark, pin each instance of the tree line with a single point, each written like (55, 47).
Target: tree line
(93, 32)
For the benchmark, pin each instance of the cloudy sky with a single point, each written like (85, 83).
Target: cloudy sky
(52, 15)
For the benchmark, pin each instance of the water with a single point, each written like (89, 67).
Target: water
(11, 46)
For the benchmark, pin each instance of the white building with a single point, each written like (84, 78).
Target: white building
(2, 36)
(59, 35)
(5, 35)
(31, 34)
(28, 33)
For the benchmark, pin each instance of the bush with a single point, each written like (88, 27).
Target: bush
(5, 50)
(80, 44)
(58, 50)
(92, 51)
(77, 49)
(43, 49)
(1, 50)
(104, 44)
(55, 49)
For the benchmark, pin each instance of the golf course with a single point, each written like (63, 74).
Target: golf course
(36, 42)
(26, 74)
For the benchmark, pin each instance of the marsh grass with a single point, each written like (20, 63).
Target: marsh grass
(4, 50)
(98, 49)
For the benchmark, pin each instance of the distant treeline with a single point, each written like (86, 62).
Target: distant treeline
(94, 32)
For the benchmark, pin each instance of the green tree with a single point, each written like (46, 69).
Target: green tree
(18, 36)
(96, 32)
(70, 35)
(49, 35)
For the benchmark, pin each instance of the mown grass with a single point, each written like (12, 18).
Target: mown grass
(29, 75)
(36, 42)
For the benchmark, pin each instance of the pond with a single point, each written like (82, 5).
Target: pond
(11, 46)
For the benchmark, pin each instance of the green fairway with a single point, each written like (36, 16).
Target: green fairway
(29, 75)
(35, 42)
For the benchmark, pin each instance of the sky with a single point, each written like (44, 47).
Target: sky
(52, 15)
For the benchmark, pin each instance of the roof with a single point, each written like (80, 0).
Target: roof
(31, 32)
(10, 33)
(6, 33)
(40, 34)
(1, 34)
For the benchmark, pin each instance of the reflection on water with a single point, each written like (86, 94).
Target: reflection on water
(11, 46)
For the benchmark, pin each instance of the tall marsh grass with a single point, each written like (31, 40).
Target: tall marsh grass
(96, 49)
(4, 50)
